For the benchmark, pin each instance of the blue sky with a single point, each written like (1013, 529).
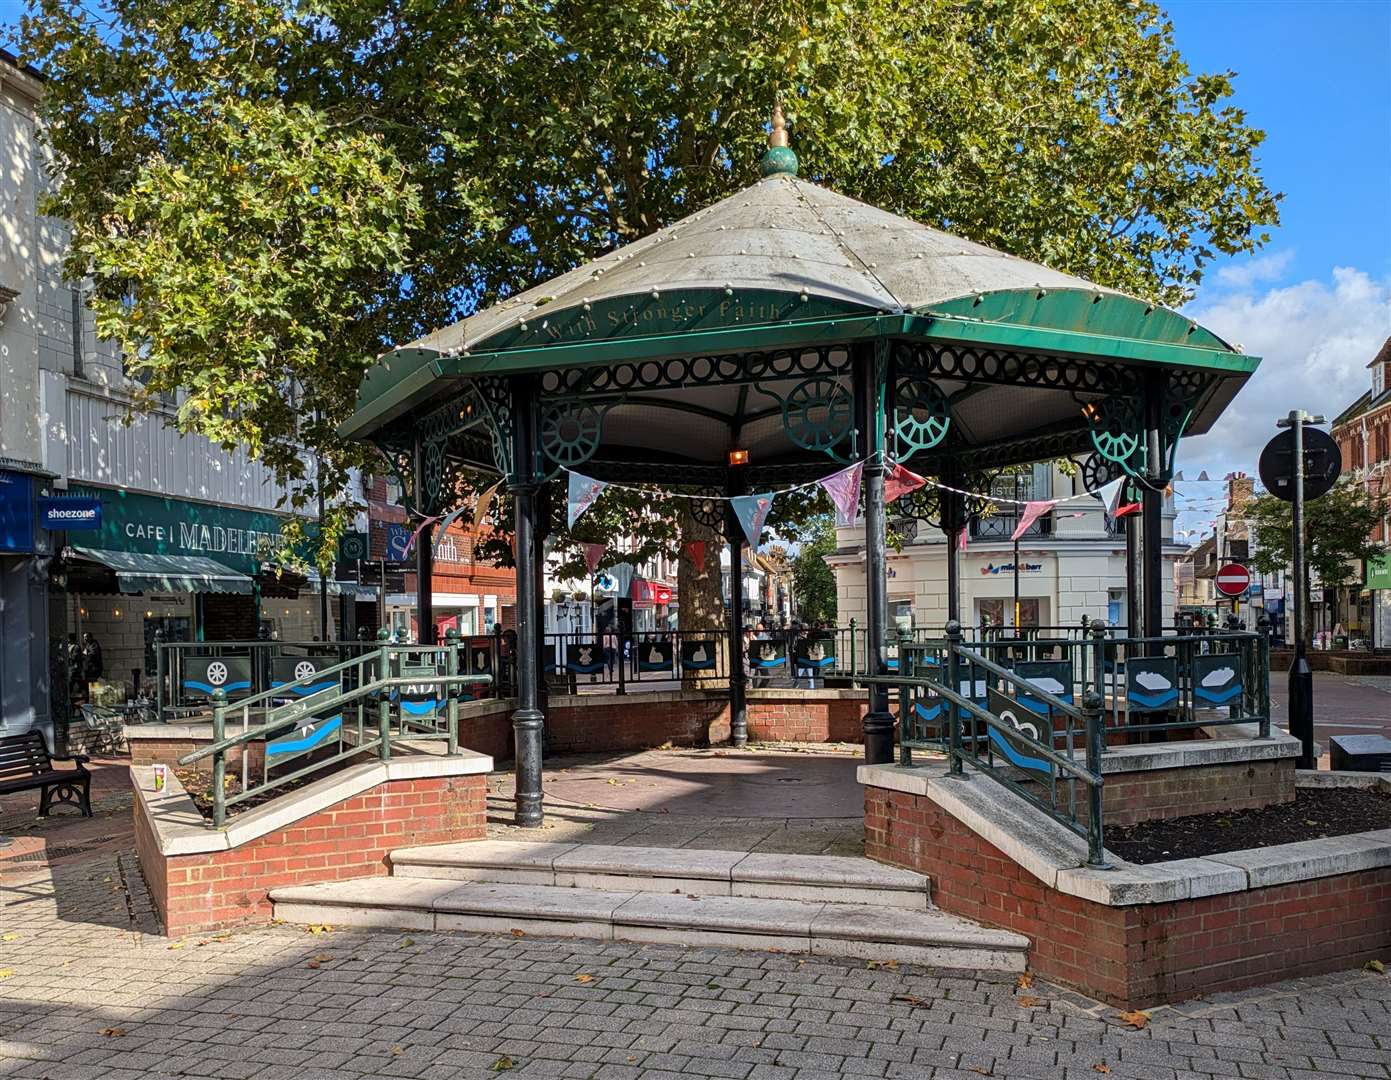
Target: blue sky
(1315, 303)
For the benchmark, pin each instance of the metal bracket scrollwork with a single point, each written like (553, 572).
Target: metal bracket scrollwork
(817, 414)
(922, 417)
(495, 398)
(1182, 392)
(570, 433)
(1117, 432)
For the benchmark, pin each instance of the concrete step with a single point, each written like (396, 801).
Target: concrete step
(817, 878)
(684, 918)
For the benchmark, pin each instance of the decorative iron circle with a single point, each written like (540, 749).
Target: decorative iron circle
(922, 504)
(817, 413)
(708, 512)
(1098, 471)
(433, 478)
(921, 417)
(570, 433)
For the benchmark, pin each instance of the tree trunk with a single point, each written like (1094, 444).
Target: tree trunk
(702, 600)
(698, 587)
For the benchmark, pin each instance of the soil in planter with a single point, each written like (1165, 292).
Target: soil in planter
(1315, 813)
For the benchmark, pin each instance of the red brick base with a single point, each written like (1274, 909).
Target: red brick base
(1144, 954)
(1195, 789)
(349, 839)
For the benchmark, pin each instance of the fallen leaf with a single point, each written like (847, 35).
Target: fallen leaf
(398, 1049)
(1101, 1067)
(177, 945)
(1029, 1002)
(407, 941)
(114, 1033)
(5, 973)
(1375, 965)
(1137, 1019)
(582, 978)
(979, 1069)
(886, 965)
(222, 937)
(909, 999)
(9, 937)
(502, 1064)
(320, 928)
(313, 964)
(1024, 981)
(323, 957)
(519, 933)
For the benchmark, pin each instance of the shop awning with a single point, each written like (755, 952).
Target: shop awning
(137, 571)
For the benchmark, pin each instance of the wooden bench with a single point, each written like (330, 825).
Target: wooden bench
(25, 764)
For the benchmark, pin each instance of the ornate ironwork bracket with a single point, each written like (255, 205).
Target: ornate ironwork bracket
(922, 417)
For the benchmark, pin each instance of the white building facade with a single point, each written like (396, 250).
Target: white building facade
(1072, 563)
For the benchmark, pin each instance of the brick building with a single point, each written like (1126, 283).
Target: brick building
(1363, 434)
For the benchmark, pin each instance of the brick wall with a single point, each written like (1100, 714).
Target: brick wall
(168, 752)
(194, 893)
(832, 720)
(1195, 789)
(1146, 954)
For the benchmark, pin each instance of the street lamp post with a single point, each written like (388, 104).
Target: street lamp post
(1301, 675)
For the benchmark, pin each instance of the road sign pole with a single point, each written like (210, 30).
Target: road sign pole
(1301, 675)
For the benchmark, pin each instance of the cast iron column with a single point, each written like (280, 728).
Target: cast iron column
(424, 558)
(1301, 679)
(737, 484)
(527, 720)
(954, 517)
(1152, 508)
(871, 361)
(1132, 576)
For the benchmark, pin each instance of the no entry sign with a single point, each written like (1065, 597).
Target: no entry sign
(1233, 579)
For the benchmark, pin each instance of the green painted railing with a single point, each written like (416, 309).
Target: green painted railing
(373, 690)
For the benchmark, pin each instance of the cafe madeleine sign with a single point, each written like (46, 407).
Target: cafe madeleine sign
(156, 525)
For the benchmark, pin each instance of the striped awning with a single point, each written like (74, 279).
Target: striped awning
(138, 571)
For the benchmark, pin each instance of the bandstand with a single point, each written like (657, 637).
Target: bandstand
(811, 332)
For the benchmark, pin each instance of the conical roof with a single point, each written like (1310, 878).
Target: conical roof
(783, 234)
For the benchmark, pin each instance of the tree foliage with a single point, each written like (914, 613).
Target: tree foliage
(287, 187)
(813, 582)
(1337, 530)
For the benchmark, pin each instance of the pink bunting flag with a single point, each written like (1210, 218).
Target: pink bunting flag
(844, 489)
(592, 554)
(901, 481)
(418, 529)
(961, 535)
(1033, 510)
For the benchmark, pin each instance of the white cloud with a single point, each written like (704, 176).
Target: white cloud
(1243, 275)
(1314, 338)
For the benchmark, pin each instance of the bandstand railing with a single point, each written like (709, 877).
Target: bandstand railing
(393, 693)
(1035, 713)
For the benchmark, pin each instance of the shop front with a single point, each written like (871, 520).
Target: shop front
(1379, 590)
(24, 621)
(139, 564)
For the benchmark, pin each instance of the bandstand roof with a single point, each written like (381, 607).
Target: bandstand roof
(786, 266)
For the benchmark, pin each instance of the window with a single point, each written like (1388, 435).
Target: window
(1378, 379)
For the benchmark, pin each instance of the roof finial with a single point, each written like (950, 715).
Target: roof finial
(778, 159)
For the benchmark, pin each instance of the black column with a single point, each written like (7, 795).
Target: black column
(954, 520)
(527, 720)
(1152, 508)
(424, 557)
(1133, 627)
(870, 375)
(737, 484)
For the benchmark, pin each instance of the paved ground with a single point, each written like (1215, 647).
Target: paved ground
(1342, 705)
(779, 799)
(86, 993)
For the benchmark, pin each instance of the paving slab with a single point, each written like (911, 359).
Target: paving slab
(780, 918)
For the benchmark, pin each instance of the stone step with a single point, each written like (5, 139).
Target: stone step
(817, 878)
(932, 938)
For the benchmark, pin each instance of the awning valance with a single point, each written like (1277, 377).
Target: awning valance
(138, 571)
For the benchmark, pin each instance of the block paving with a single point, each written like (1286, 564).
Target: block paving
(89, 992)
